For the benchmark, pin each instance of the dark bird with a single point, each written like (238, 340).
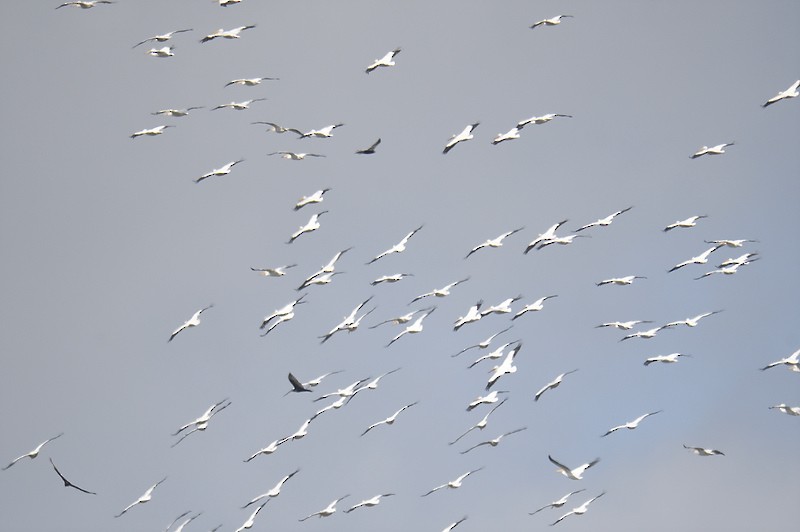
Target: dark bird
(67, 483)
(370, 150)
(297, 386)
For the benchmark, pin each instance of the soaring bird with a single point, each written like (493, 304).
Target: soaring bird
(745, 258)
(692, 322)
(325, 512)
(349, 323)
(67, 483)
(792, 361)
(163, 37)
(540, 119)
(178, 113)
(278, 271)
(485, 399)
(731, 243)
(164, 51)
(414, 328)
(194, 321)
(603, 222)
(719, 149)
(283, 311)
(473, 314)
(397, 248)
(298, 434)
(691, 221)
(312, 225)
(505, 368)
(293, 156)
(511, 134)
(252, 519)
(544, 237)
(274, 492)
(34, 453)
(454, 484)
(495, 441)
(389, 420)
(504, 307)
(202, 425)
(533, 307)
(370, 149)
(624, 325)
(269, 449)
(559, 503)
(249, 82)
(325, 132)
(573, 474)
(580, 510)
(227, 34)
(702, 451)
(373, 501)
(158, 130)
(399, 320)
(628, 279)
(483, 344)
(86, 4)
(146, 496)
(630, 425)
(297, 386)
(183, 525)
(451, 526)
(466, 134)
(223, 170)
(786, 409)
(391, 278)
(494, 242)
(385, 61)
(649, 333)
(238, 106)
(665, 359)
(278, 128)
(316, 197)
(480, 425)
(699, 259)
(552, 384)
(550, 21)
(204, 418)
(494, 354)
(791, 92)
(728, 270)
(440, 292)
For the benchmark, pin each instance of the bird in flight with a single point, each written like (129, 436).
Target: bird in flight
(146, 496)
(550, 21)
(665, 359)
(466, 134)
(278, 271)
(702, 451)
(67, 483)
(249, 82)
(194, 321)
(224, 170)
(370, 149)
(440, 292)
(34, 453)
(374, 501)
(163, 37)
(480, 425)
(226, 34)
(791, 92)
(628, 279)
(274, 492)
(454, 484)
(238, 106)
(540, 119)
(397, 248)
(86, 4)
(290, 155)
(792, 361)
(719, 149)
(559, 503)
(573, 474)
(158, 130)
(604, 222)
(630, 425)
(494, 242)
(176, 112)
(688, 222)
(552, 384)
(389, 420)
(385, 61)
(495, 441)
(580, 510)
(325, 512)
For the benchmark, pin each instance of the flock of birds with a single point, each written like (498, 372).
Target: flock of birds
(411, 323)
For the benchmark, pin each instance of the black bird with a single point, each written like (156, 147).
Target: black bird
(297, 386)
(67, 483)
(370, 150)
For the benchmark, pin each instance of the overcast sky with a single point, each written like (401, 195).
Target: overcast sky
(109, 246)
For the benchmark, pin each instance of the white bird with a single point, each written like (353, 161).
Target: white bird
(252, 519)
(163, 37)
(552, 384)
(465, 135)
(311, 225)
(511, 134)
(34, 453)
(146, 496)
(649, 333)
(451, 526)
(325, 132)
(454, 484)
(580, 510)
(540, 119)
(203, 425)
(727, 270)
(325, 512)
(791, 92)
(316, 381)
(496, 353)
(227, 34)
(345, 392)
(164, 51)
(194, 321)
(226, 3)
(249, 82)
(181, 526)
(385, 61)
(278, 271)
(505, 368)
(204, 418)
(340, 402)
(392, 278)
(624, 325)
(348, 323)
(473, 314)
(223, 170)
(369, 150)
(86, 4)
(483, 344)
(665, 359)
(494, 442)
(628, 279)
(504, 307)
(745, 258)
(414, 328)
(399, 320)
(298, 434)
(269, 449)
(440, 292)
(480, 425)
(730, 243)
(573, 474)
(290, 155)
(283, 311)
(699, 259)
(278, 128)
(158, 130)
(318, 278)
(692, 322)
(791, 361)
(559, 503)
(603, 222)
(238, 106)
(184, 514)
(702, 451)
(630, 425)
(551, 21)
(331, 265)
(691, 221)
(790, 410)
(719, 149)
(389, 420)
(397, 248)
(177, 113)
(316, 197)
(543, 237)
(533, 307)
(494, 242)
(485, 400)
(374, 501)
(561, 240)
(274, 492)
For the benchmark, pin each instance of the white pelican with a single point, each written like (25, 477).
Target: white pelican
(150, 132)
(204, 418)
(311, 225)
(345, 392)
(397, 248)
(226, 3)
(480, 425)
(227, 34)
(274, 492)
(316, 197)
(164, 51)
(454, 484)
(791, 92)
(533, 307)
(370, 149)
(792, 360)
(385, 61)
(561, 240)
(728, 270)
(543, 237)
(325, 132)
(630, 425)
(465, 135)
(504, 307)
(741, 259)
(348, 323)
(316, 381)
(392, 278)
(146, 496)
(290, 155)
(559, 503)
(665, 359)
(483, 344)
(184, 514)
(224, 170)
(318, 278)
(511, 134)
(580, 510)
(181, 526)
(624, 325)
(68, 484)
(176, 112)
(649, 333)
(691, 221)
(331, 265)
(473, 314)
(719, 149)
(278, 271)
(339, 403)
(496, 353)
(163, 37)
(791, 410)
(494, 242)
(494, 442)
(34, 453)
(374, 501)
(278, 128)
(440, 292)
(249, 82)
(731, 243)
(540, 119)
(414, 328)
(699, 259)
(286, 309)
(573, 474)
(603, 222)
(505, 368)
(692, 322)
(269, 449)
(252, 519)
(451, 526)
(701, 451)
(85, 4)
(399, 320)
(628, 279)
(550, 21)
(389, 420)
(552, 384)
(325, 512)
(485, 400)
(194, 321)
(203, 425)
(298, 434)
(238, 106)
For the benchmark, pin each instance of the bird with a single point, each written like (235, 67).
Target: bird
(163, 37)
(630, 425)
(603, 222)
(328, 510)
(414, 328)
(274, 492)
(325, 132)
(649, 333)
(283, 311)
(194, 321)
(624, 325)
(692, 322)
(473, 314)
(485, 400)
(440, 292)
(374, 501)
(158, 130)
(223, 170)
(85, 4)
(543, 237)
(466, 134)
(184, 514)
(186, 522)
(399, 320)
(178, 113)
(317, 380)
(494, 442)
(340, 402)
(349, 323)
(550, 21)
(573, 474)
(392, 278)
(628, 279)
(791, 92)
(745, 258)
(316, 197)
(331, 265)
(494, 354)
(494, 242)
(504, 307)
(298, 434)
(505, 368)
(580, 510)
(344, 392)
(164, 51)
(278, 271)
(204, 418)
(559, 503)
(533, 307)
(203, 425)
(397, 248)
(311, 225)
(699, 259)
(249, 82)
(146, 496)
(790, 410)
(385, 61)
(483, 344)
(691, 221)
(454, 484)
(389, 420)
(536, 120)
(665, 359)
(67, 483)
(719, 149)
(318, 278)
(451, 526)
(792, 360)
(278, 128)
(702, 451)
(480, 425)
(552, 384)
(730, 243)
(511, 134)
(727, 270)
(290, 155)
(269, 449)
(238, 106)
(226, 34)
(370, 149)
(34, 453)
(561, 240)
(252, 519)
(297, 386)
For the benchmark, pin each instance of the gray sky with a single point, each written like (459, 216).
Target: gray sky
(109, 246)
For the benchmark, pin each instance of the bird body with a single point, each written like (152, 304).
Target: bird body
(226, 34)
(559, 503)
(453, 484)
(494, 242)
(146, 497)
(628, 279)
(312, 225)
(552, 384)
(719, 149)
(540, 119)
(373, 501)
(269, 449)
(792, 361)
(414, 328)
(278, 271)
(699, 259)
(465, 135)
(786, 409)
(484, 400)
(178, 113)
(532, 307)
(550, 21)
(624, 325)
(67, 483)
(511, 134)
(604, 222)
(473, 314)
(649, 333)
(164, 51)
(163, 37)
(194, 321)
(505, 368)
(223, 170)
(389, 420)
(249, 82)
(392, 278)
(85, 4)
(252, 519)
(483, 344)
(630, 425)
(397, 248)
(325, 132)
(283, 311)
(385, 61)
(665, 359)
(34, 453)
(692, 322)
(480, 425)
(702, 451)
(290, 155)
(238, 106)
(279, 129)
(791, 92)
(573, 474)
(316, 197)
(370, 149)
(691, 221)
(158, 130)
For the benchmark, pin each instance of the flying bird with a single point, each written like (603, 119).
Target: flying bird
(494, 354)
(158, 130)
(451, 526)
(399, 320)
(389, 420)
(86, 4)
(249, 82)
(540, 119)
(494, 442)
(624, 325)
(792, 361)
(238, 106)
(274, 492)
(252, 519)
(385, 61)
(32, 454)
(628, 279)
(440, 292)
(504, 307)
(349, 323)
(186, 522)
(480, 425)
(699, 259)
(649, 333)
(580, 510)
(414, 328)
(494, 242)
(485, 400)
(701, 451)
(298, 434)
(312, 225)
(465, 135)
(483, 344)
(791, 92)
(184, 514)
(67, 483)
(559, 503)
(533, 307)
(316, 197)
(573, 474)
(561, 240)
(544, 237)
(164, 51)
(278, 271)
(202, 425)
(786, 409)
(630, 425)
(552, 384)
(728, 270)
(505, 368)
(297, 386)
(392, 278)
(163, 37)
(325, 132)
(283, 311)
(692, 322)
(345, 392)
(397, 248)
(374, 501)
(454, 484)
(511, 134)
(316, 381)
(691, 221)
(665, 359)
(473, 314)
(325, 512)
(745, 258)
(146, 496)
(730, 243)
(269, 449)
(290, 155)
(223, 170)
(370, 149)
(604, 222)
(550, 21)
(178, 113)
(719, 149)
(194, 321)
(204, 418)
(278, 128)
(226, 34)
